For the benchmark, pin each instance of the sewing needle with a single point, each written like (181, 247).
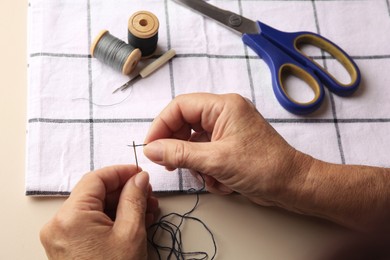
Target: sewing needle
(135, 152)
(152, 67)
(135, 155)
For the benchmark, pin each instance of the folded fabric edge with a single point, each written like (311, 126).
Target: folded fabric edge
(36, 193)
(47, 193)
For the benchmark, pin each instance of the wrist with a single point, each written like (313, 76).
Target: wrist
(282, 186)
(351, 195)
(293, 185)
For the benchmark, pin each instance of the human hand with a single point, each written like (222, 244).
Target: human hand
(233, 147)
(105, 217)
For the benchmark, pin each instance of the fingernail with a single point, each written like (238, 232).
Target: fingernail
(142, 181)
(154, 151)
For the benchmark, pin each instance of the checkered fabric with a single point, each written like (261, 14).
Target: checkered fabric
(69, 136)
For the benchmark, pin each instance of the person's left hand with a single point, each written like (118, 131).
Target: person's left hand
(105, 217)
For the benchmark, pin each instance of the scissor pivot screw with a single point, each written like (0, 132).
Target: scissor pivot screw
(235, 20)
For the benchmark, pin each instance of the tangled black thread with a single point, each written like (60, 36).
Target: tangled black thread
(175, 233)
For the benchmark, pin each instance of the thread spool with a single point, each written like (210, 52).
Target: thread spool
(115, 53)
(143, 32)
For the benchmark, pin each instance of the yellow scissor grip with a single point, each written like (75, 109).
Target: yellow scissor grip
(333, 50)
(291, 69)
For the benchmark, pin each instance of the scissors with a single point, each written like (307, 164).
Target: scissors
(280, 50)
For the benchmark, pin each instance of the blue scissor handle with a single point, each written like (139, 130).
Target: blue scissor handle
(281, 52)
(290, 42)
(281, 64)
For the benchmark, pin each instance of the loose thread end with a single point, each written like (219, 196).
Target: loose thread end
(136, 145)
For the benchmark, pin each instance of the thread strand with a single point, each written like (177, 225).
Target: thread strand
(175, 233)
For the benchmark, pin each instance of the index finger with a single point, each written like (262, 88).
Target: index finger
(198, 111)
(90, 192)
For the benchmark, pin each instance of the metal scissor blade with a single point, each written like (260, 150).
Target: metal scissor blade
(231, 20)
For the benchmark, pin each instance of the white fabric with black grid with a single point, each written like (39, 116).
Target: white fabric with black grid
(68, 136)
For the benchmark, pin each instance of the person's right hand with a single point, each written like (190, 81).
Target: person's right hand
(105, 217)
(232, 146)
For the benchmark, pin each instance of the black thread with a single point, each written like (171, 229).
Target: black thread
(142, 32)
(174, 231)
(176, 248)
(137, 145)
(147, 46)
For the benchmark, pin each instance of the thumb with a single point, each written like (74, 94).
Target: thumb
(173, 153)
(132, 204)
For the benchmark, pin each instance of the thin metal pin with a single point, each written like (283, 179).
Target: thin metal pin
(135, 155)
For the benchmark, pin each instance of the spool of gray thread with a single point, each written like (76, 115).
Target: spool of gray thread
(115, 53)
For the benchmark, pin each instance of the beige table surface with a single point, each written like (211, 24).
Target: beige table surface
(242, 230)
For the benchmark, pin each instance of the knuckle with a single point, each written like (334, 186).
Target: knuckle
(180, 96)
(54, 229)
(240, 101)
(234, 97)
(181, 155)
(44, 234)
